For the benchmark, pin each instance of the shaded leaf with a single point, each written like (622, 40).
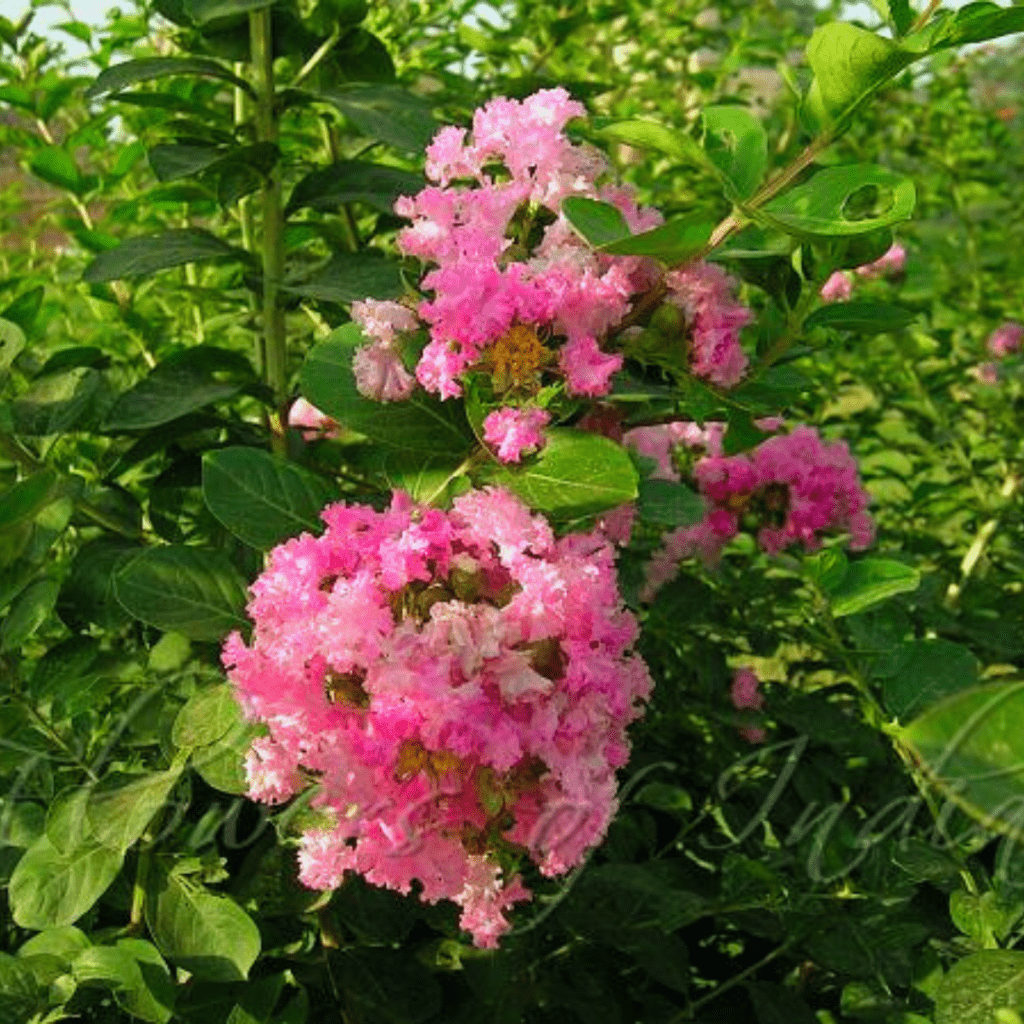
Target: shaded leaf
(130, 72)
(351, 277)
(354, 181)
(385, 112)
(861, 317)
(139, 257)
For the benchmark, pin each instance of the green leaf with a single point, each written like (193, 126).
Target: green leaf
(985, 919)
(139, 257)
(23, 310)
(651, 135)
(421, 423)
(180, 385)
(194, 591)
(861, 317)
(121, 805)
(849, 64)
(49, 888)
(203, 11)
(385, 112)
(32, 608)
(58, 402)
(65, 943)
(350, 277)
(902, 15)
(424, 476)
(210, 936)
(596, 222)
(120, 76)
(171, 162)
(819, 206)
(670, 503)
(576, 474)
(392, 988)
(973, 23)
(918, 673)
(736, 143)
(353, 181)
(12, 341)
(672, 243)
(261, 498)
(135, 972)
(868, 581)
(27, 498)
(20, 993)
(222, 763)
(971, 747)
(56, 166)
(207, 717)
(978, 985)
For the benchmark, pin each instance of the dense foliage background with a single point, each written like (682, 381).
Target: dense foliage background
(857, 865)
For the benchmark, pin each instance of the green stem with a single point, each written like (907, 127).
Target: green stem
(274, 339)
(135, 920)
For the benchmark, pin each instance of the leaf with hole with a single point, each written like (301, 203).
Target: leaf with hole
(818, 207)
(737, 145)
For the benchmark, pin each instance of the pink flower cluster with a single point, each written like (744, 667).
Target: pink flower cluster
(515, 432)
(839, 286)
(714, 318)
(514, 171)
(457, 683)
(794, 486)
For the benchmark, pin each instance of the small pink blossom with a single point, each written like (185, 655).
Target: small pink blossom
(1005, 340)
(588, 370)
(380, 374)
(838, 288)
(515, 432)
(311, 420)
(985, 373)
(745, 691)
(890, 264)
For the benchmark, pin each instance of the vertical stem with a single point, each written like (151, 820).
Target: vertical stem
(274, 339)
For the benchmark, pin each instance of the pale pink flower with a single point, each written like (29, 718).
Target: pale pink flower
(380, 374)
(890, 264)
(838, 288)
(985, 373)
(311, 420)
(1005, 340)
(515, 432)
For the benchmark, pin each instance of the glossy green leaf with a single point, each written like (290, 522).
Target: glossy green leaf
(122, 804)
(978, 985)
(354, 181)
(27, 498)
(32, 608)
(180, 385)
(651, 135)
(203, 11)
(12, 341)
(818, 207)
(597, 223)
(918, 673)
(385, 112)
(139, 257)
(669, 503)
(971, 746)
(194, 591)
(131, 72)
(262, 499)
(50, 888)
(424, 476)
(671, 243)
(421, 423)
(868, 581)
(576, 474)
(222, 763)
(20, 993)
(736, 143)
(849, 64)
(65, 943)
(136, 973)
(861, 317)
(57, 167)
(973, 23)
(210, 936)
(350, 277)
(207, 717)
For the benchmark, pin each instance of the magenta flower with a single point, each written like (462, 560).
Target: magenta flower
(1005, 340)
(457, 683)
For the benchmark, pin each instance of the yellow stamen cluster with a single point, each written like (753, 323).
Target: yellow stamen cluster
(516, 359)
